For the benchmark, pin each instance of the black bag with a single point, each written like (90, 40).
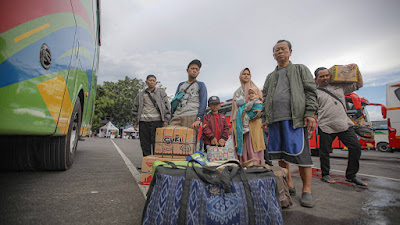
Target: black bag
(178, 97)
(203, 195)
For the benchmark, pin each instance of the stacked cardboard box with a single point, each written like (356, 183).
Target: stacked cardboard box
(147, 164)
(175, 142)
(345, 74)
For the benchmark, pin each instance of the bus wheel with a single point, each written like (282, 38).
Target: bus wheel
(383, 147)
(59, 151)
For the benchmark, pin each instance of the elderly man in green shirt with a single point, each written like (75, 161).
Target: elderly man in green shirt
(289, 106)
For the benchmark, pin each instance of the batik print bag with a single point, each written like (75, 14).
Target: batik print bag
(202, 195)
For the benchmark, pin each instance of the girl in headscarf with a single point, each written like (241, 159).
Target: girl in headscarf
(251, 144)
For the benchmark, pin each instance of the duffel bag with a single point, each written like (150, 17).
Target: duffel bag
(281, 180)
(203, 195)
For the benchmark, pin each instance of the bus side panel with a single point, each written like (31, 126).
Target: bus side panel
(34, 95)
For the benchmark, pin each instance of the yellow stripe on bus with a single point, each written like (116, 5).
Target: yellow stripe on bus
(31, 32)
(52, 92)
(393, 108)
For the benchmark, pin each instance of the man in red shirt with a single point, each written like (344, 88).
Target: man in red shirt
(215, 127)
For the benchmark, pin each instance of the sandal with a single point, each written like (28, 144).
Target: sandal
(354, 180)
(307, 200)
(292, 191)
(328, 179)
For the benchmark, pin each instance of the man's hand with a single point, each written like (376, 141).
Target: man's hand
(264, 126)
(196, 124)
(258, 114)
(214, 142)
(135, 127)
(310, 123)
(165, 124)
(221, 142)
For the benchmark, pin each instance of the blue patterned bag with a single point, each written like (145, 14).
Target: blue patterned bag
(203, 195)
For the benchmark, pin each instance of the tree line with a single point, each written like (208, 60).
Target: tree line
(114, 101)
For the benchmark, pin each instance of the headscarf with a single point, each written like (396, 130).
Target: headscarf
(257, 95)
(245, 87)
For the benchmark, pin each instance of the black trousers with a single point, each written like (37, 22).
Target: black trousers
(349, 138)
(147, 136)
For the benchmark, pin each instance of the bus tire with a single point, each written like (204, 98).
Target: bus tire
(59, 151)
(383, 147)
(18, 153)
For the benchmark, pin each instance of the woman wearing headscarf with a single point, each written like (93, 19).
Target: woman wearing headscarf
(250, 145)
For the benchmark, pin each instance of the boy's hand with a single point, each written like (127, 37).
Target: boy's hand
(135, 127)
(221, 142)
(214, 141)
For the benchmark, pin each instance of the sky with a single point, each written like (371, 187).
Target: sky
(141, 37)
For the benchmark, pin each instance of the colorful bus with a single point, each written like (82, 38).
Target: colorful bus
(49, 55)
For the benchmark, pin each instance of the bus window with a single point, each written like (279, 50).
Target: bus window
(397, 93)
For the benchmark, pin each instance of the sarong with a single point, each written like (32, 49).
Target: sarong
(288, 144)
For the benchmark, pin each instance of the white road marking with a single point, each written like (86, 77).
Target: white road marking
(366, 175)
(363, 162)
(135, 173)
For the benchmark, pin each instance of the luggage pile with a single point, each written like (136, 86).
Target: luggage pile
(173, 143)
(228, 194)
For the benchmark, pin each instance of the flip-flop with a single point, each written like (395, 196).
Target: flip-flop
(328, 179)
(354, 180)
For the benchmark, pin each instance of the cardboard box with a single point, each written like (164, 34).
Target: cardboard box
(344, 74)
(145, 178)
(148, 161)
(215, 153)
(175, 140)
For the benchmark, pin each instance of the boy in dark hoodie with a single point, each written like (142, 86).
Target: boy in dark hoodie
(215, 127)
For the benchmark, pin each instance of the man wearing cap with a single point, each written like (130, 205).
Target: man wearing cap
(192, 106)
(150, 111)
(215, 127)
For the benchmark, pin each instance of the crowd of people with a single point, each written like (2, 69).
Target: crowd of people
(287, 110)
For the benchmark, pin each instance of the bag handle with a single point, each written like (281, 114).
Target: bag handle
(153, 101)
(173, 165)
(212, 176)
(189, 86)
(333, 96)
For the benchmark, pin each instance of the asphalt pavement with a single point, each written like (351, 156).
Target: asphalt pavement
(102, 187)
